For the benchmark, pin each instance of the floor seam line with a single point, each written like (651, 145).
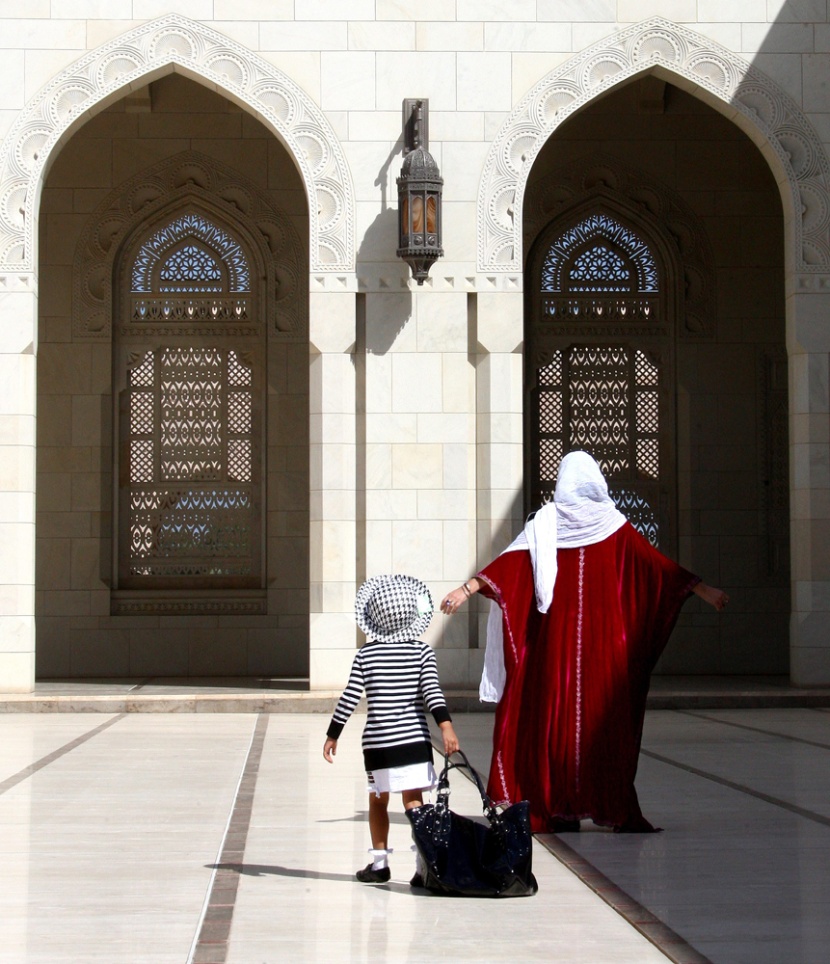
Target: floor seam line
(755, 729)
(210, 943)
(10, 782)
(741, 788)
(676, 948)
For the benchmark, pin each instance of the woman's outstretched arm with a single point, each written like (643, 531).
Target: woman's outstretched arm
(715, 597)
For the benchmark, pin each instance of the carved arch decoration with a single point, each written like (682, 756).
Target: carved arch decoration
(177, 43)
(189, 177)
(655, 44)
(597, 178)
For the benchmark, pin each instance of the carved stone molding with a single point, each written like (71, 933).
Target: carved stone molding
(813, 282)
(188, 176)
(175, 42)
(17, 281)
(384, 278)
(601, 176)
(653, 44)
(177, 603)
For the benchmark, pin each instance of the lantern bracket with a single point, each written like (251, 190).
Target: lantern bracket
(415, 123)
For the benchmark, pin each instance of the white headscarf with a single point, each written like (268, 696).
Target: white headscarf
(581, 514)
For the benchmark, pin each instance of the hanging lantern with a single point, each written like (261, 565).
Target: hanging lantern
(419, 196)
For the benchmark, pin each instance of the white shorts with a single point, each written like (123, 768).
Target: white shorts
(416, 776)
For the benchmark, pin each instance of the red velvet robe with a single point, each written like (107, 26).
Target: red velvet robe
(568, 726)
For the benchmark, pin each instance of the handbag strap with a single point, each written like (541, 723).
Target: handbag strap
(487, 804)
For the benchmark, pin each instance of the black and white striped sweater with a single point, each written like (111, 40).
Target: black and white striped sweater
(398, 679)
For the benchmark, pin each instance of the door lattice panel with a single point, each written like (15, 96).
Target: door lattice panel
(597, 347)
(190, 479)
(599, 404)
(204, 440)
(639, 512)
(192, 400)
(190, 532)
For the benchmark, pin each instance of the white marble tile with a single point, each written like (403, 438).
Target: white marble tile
(435, 71)
(108, 851)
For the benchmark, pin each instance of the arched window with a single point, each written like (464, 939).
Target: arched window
(189, 358)
(599, 366)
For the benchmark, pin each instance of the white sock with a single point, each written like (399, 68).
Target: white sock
(380, 859)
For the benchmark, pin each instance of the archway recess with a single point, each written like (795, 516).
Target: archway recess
(718, 76)
(175, 43)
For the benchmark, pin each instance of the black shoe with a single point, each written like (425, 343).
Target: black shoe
(369, 876)
(417, 881)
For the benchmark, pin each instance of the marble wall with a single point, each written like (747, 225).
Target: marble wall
(412, 455)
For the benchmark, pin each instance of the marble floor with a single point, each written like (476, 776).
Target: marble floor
(209, 837)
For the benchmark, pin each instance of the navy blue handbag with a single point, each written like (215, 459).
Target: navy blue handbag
(465, 857)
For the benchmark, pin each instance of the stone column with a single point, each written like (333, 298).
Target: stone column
(809, 348)
(18, 324)
(332, 482)
(500, 430)
(500, 426)
(420, 450)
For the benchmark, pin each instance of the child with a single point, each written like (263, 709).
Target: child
(399, 674)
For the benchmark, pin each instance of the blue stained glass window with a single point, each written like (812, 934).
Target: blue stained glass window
(599, 255)
(599, 265)
(194, 266)
(190, 267)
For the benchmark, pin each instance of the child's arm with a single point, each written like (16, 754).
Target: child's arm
(434, 699)
(345, 706)
(450, 739)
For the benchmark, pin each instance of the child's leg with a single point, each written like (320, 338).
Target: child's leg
(412, 798)
(377, 872)
(379, 820)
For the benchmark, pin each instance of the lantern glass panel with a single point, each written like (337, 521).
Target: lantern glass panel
(432, 214)
(417, 215)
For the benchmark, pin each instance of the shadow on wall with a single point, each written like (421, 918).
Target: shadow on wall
(381, 239)
(376, 255)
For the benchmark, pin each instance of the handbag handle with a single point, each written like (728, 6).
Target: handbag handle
(487, 804)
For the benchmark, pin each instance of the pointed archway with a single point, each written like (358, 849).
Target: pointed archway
(175, 44)
(695, 63)
(569, 172)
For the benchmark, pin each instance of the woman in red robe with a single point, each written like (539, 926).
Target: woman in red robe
(587, 606)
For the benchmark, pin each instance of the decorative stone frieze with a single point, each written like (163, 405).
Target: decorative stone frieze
(148, 604)
(382, 280)
(717, 74)
(177, 43)
(17, 281)
(813, 282)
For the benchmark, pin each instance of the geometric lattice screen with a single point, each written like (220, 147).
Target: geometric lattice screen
(190, 479)
(597, 378)
(604, 400)
(190, 471)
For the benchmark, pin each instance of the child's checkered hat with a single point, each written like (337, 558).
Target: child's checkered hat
(393, 609)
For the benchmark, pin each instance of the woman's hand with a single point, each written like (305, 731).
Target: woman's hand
(452, 601)
(715, 597)
(329, 749)
(455, 599)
